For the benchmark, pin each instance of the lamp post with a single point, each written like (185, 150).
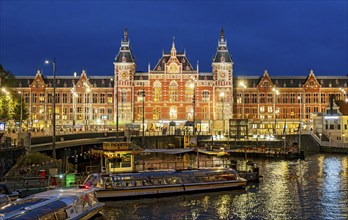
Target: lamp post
(74, 95)
(54, 107)
(222, 97)
(21, 119)
(143, 121)
(194, 107)
(275, 93)
(243, 86)
(300, 124)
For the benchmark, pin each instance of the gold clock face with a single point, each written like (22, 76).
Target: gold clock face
(123, 74)
(222, 74)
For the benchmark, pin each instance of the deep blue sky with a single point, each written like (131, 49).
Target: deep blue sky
(284, 37)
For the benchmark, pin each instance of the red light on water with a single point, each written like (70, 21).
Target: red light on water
(85, 186)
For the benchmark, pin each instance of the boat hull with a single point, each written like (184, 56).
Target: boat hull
(167, 189)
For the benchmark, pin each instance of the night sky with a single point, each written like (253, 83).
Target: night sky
(285, 37)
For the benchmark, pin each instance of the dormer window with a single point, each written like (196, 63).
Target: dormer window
(222, 59)
(311, 83)
(265, 84)
(103, 82)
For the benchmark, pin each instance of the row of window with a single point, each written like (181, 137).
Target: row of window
(287, 98)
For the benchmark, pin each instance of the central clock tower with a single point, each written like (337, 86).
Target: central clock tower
(222, 67)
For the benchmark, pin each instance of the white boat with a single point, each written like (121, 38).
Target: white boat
(153, 183)
(54, 204)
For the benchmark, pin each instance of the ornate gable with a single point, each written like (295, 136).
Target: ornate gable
(83, 80)
(173, 62)
(311, 81)
(38, 81)
(265, 81)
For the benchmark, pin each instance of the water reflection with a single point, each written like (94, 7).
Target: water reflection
(316, 188)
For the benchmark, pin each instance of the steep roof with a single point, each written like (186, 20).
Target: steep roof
(222, 55)
(125, 54)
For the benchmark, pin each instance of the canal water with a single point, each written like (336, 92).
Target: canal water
(314, 188)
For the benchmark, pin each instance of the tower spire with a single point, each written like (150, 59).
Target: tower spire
(125, 35)
(173, 50)
(222, 35)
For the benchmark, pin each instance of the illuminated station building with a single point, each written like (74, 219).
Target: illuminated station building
(175, 97)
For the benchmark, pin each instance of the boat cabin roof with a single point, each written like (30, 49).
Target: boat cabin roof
(43, 203)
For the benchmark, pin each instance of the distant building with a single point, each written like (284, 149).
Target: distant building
(177, 95)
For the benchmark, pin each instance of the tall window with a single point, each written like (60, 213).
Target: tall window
(79, 98)
(173, 114)
(247, 98)
(316, 98)
(308, 98)
(157, 91)
(189, 112)
(26, 97)
(254, 98)
(42, 98)
(173, 91)
(262, 97)
(140, 96)
(323, 99)
(156, 113)
(110, 98)
(95, 97)
(189, 90)
(34, 98)
(292, 97)
(65, 98)
(205, 112)
(205, 96)
(285, 98)
(102, 98)
(269, 97)
(124, 95)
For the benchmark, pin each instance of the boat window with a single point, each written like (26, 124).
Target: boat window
(173, 180)
(85, 201)
(108, 182)
(92, 198)
(61, 214)
(188, 178)
(50, 216)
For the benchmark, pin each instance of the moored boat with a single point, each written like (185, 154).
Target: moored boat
(54, 204)
(154, 183)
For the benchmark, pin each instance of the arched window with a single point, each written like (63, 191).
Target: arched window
(189, 90)
(156, 113)
(157, 91)
(173, 112)
(173, 91)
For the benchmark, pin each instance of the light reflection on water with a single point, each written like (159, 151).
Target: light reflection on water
(315, 188)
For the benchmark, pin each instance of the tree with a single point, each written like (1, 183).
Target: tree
(10, 101)
(7, 79)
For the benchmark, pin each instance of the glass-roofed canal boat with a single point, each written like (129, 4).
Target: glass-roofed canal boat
(55, 204)
(161, 182)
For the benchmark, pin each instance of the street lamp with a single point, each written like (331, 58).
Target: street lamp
(193, 87)
(243, 86)
(143, 121)
(74, 95)
(275, 93)
(300, 124)
(54, 107)
(20, 122)
(222, 97)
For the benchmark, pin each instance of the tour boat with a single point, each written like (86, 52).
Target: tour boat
(154, 183)
(54, 204)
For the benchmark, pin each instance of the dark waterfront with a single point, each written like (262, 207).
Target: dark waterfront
(314, 188)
